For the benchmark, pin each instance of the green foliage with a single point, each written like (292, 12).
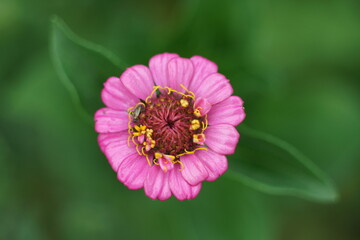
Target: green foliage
(272, 165)
(71, 55)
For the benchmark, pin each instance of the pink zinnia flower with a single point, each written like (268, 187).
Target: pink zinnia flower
(168, 127)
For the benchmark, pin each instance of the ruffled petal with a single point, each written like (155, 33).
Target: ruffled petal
(181, 189)
(229, 111)
(194, 171)
(202, 68)
(214, 163)
(165, 164)
(158, 67)
(222, 138)
(180, 71)
(203, 105)
(116, 96)
(138, 80)
(154, 182)
(108, 120)
(215, 88)
(115, 148)
(133, 171)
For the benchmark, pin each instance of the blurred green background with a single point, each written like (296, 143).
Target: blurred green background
(296, 64)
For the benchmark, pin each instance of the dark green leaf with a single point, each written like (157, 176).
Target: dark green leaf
(272, 165)
(82, 66)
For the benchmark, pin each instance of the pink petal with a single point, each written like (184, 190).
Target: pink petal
(105, 139)
(181, 189)
(154, 182)
(138, 80)
(229, 111)
(215, 163)
(222, 138)
(115, 147)
(194, 171)
(116, 96)
(133, 171)
(203, 105)
(109, 120)
(158, 67)
(202, 68)
(141, 138)
(165, 164)
(215, 88)
(156, 185)
(180, 71)
(165, 192)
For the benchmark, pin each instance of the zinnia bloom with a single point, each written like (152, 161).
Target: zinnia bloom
(168, 127)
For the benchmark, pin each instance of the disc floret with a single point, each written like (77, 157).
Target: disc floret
(166, 126)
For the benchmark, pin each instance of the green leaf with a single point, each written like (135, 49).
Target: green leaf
(82, 66)
(272, 165)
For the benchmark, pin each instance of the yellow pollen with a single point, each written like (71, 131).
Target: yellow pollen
(158, 155)
(140, 130)
(197, 113)
(198, 138)
(149, 132)
(195, 124)
(184, 102)
(150, 143)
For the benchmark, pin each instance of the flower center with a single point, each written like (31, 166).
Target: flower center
(167, 125)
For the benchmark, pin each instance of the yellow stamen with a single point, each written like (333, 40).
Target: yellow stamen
(148, 160)
(149, 132)
(192, 94)
(133, 140)
(182, 165)
(200, 149)
(140, 130)
(158, 155)
(138, 151)
(197, 113)
(184, 102)
(206, 122)
(195, 124)
(149, 143)
(171, 157)
(128, 140)
(152, 93)
(199, 138)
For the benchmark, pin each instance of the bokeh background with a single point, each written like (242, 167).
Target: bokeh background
(296, 64)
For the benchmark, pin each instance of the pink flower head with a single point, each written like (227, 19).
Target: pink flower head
(168, 127)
